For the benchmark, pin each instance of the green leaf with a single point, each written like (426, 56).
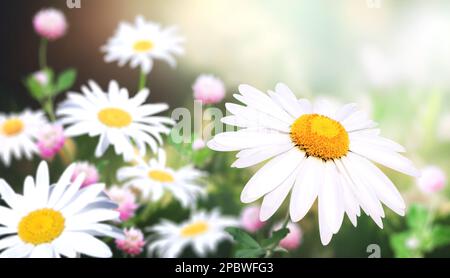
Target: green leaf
(250, 253)
(276, 237)
(439, 236)
(399, 243)
(416, 217)
(65, 81)
(242, 238)
(34, 88)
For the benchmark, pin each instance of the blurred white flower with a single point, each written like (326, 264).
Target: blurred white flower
(432, 179)
(18, 133)
(154, 178)
(204, 231)
(117, 118)
(141, 43)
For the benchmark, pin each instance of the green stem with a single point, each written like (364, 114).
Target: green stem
(43, 53)
(271, 250)
(48, 108)
(142, 80)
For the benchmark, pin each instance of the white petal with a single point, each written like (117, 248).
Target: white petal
(306, 188)
(273, 200)
(271, 175)
(89, 245)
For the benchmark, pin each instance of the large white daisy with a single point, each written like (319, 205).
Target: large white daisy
(118, 119)
(142, 42)
(203, 231)
(154, 178)
(53, 220)
(18, 133)
(315, 152)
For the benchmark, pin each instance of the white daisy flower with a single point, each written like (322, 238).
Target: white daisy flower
(18, 133)
(314, 152)
(154, 178)
(55, 220)
(203, 231)
(142, 42)
(118, 119)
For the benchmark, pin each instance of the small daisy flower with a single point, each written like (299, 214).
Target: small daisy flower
(203, 231)
(154, 178)
(89, 171)
(119, 120)
(50, 23)
(250, 219)
(18, 134)
(50, 140)
(125, 199)
(142, 43)
(133, 242)
(432, 180)
(314, 152)
(51, 221)
(293, 239)
(208, 89)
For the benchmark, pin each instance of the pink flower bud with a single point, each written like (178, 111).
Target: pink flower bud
(50, 23)
(41, 77)
(250, 219)
(125, 200)
(294, 237)
(91, 174)
(133, 242)
(198, 144)
(432, 179)
(50, 140)
(208, 89)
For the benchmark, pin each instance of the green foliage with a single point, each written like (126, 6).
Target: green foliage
(421, 237)
(43, 92)
(248, 247)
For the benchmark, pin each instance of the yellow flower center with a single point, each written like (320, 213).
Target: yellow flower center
(143, 46)
(41, 226)
(320, 136)
(161, 176)
(12, 127)
(195, 229)
(114, 117)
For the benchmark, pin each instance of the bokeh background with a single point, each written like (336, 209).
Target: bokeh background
(390, 56)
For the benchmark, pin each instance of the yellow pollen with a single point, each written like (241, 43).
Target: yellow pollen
(114, 117)
(161, 176)
(41, 226)
(320, 136)
(12, 127)
(194, 229)
(143, 46)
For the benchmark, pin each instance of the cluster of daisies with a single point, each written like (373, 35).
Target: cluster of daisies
(66, 218)
(311, 151)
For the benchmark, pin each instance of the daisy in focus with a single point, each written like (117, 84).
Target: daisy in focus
(203, 231)
(18, 133)
(141, 43)
(314, 152)
(119, 120)
(51, 221)
(155, 178)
